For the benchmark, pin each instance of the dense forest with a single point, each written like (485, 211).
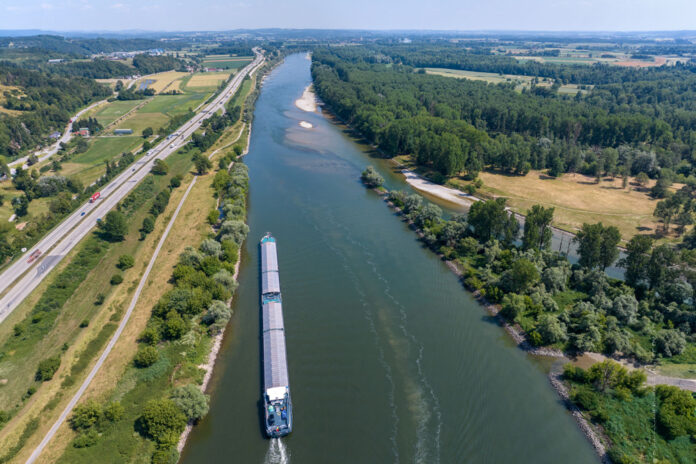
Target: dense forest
(453, 125)
(45, 102)
(87, 46)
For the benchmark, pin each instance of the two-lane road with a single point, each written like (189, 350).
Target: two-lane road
(58, 243)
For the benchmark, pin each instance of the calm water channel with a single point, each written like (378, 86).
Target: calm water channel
(390, 360)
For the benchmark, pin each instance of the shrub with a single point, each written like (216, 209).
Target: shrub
(162, 421)
(585, 398)
(146, 356)
(148, 225)
(125, 262)
(675, 416)
(47, 368)
(116, 279)
(99, 299)
(211, 247)
(175, 182)
(113, 411)
(191, 401)
(85, 440)
(159, 168)
(84, 323)
(85, 415)
(213, 216)
(165, 455)
(175, 326)
(150, 336)
(371, 178)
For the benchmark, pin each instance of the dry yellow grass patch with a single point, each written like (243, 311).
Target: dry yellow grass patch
(212, 79)
(164, 80)
(577, 199)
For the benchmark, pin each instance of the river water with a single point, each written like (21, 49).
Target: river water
(390, 359)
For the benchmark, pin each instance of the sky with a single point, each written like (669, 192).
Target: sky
(476, 15)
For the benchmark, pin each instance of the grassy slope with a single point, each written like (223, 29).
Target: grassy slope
(86, 343)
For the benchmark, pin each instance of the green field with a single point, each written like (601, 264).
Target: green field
(89, 166)
(226, 61)
(141, 120)
(172, 105)
(114, 110)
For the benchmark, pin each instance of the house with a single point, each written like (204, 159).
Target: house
(55, 135)
(84, 132)
(123, 131)
(56, 60)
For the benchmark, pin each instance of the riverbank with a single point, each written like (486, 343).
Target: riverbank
(518, 335)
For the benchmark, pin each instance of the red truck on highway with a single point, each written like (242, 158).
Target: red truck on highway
(95, 197)
(33, 256)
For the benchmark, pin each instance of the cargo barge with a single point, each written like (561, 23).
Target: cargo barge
(276, 386)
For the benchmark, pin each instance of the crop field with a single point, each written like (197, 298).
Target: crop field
(114, 110)
(577, 199)
(207, 80)
(163, 81)
(520, 81)
(226, 61)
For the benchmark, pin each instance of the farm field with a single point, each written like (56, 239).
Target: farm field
(163, 81)
(521, 82)
(114, 110)
(209, 80)
(141, 120)
(174, 104)
(226, 61)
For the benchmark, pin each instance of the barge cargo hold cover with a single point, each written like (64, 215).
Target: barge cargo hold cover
(276, 388)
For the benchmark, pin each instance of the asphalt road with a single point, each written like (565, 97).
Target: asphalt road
(26, 276)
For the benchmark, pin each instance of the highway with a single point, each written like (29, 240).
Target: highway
(58, 243)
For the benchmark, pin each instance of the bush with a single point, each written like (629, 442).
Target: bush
(162, 421)
(213, 216)
(585, 398)
(175, 326)
(84, 323)
(150, 336)
(159, 168)
(165, 455)
(116, 279)
(85, 415)
(113, 411)
(99, 299)
(125, 262)
(371, 178)
(675, 416)
(146, 356)
(191, 401)
(85, 440)
(175, 182)
(114, 227)
(47, 368)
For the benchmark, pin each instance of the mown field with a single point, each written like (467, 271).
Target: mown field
(114, 110)
(577, 199)
(521, 82)
(208, 81)
(226, 61)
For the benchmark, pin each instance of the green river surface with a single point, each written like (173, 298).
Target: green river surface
(390, 359)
